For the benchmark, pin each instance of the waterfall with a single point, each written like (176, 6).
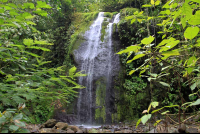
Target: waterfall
(95, 58)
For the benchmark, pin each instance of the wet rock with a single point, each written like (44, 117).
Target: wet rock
(107, 131)
(92, 131)
(182, 128)
(61, 125)
(161, 128)
(100, 131)
(172, 130)
(153, 131)
(32, 128)
(127, 131)
(118, 132)
(74, 128)
(49, 124)
(59, 131)
(145, 128)
(79, 131)
(193, 130)
(69, 130)
(46, 130)
(117, 129)
(84, 130)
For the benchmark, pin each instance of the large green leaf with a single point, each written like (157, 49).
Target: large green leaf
(191, 32)
(136, 57)
(41, 12)
(72, 71)
(154, 104)
(28, 42)
(18, 116)
(169, 45)
(133, 48)
(29, 5)
(187, 11)
(13, 128)
(194, 85)
(191, 61)
(145, 118)
(170, 53)
(165, 41)
(147, 40)
(2, 120)
(41, 4)
(197, 102)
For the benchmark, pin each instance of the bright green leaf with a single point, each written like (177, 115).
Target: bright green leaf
(154, 104)
(147, 40)
(136, 57)
(138, 122)
(146, 5)
(28, 42)
(191, 32)
(131, 72)
(145, 118)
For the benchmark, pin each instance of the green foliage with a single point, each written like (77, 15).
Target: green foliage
(175, 55)
(10, 121)
(24, 73)
(134, 85)
(108, 14)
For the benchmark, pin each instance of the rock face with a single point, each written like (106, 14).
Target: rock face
(61, 125)
(49, 124)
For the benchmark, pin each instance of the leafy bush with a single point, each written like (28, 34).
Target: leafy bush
(10, 121)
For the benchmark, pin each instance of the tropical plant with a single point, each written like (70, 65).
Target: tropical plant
(24, 76)
(10, 121)
(177, 52)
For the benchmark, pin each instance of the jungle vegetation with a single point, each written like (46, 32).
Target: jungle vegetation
(159, 54)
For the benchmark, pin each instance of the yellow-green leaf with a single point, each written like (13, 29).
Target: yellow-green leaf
(136, 57)
(133, 48)
(147, 40)
(131, 72)
(191, 32)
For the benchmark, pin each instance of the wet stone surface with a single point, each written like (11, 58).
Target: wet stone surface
(62, 127)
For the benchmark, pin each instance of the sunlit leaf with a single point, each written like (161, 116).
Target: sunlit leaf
(145, 118)
(136, 57)
(191, 32)
(147, 40)
(164, 84)
(146, 5)
(197, 102)
(138, 122)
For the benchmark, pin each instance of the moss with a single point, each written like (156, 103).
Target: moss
(100, 112)
(108, 14)
(80, 23)
(103, 30)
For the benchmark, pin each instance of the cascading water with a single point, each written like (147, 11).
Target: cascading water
(97, 60)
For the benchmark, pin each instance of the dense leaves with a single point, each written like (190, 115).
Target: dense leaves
(24, 76)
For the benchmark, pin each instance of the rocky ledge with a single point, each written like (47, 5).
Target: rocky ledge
(52, 126)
